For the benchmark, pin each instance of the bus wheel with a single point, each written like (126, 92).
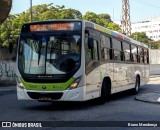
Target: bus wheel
(105, 91)
(137, 85)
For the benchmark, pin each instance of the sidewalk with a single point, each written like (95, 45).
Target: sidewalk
(154, 96)
(154, 76)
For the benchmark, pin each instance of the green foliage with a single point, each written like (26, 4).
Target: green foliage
(154, 45)
(10, 29)
(105, 17)
(90, 16)
(114, 26)
(102, 19)
(7, 29)
(141, 37)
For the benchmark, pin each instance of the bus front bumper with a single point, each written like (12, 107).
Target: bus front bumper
(76, 94)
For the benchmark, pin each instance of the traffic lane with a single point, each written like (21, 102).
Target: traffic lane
(122, 107)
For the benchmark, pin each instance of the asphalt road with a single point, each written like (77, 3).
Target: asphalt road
(122, 107)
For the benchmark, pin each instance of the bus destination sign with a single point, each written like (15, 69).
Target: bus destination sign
(55, 26)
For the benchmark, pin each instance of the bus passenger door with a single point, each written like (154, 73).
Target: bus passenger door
(118, 76)
(92, 67)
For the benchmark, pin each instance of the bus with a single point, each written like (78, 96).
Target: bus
(77, 60)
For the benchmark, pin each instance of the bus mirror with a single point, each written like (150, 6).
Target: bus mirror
(90, 43)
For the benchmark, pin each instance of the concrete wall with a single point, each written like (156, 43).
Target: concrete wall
(155, 69)
(154, 62)
(7, 67)
(154, 56)
(7, 72)
(5, 55)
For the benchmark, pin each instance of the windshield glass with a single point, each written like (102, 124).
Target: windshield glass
(51, 54)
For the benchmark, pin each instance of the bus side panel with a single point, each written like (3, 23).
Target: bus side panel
(93, 83)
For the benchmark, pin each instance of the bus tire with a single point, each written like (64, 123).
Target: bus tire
(137, 85)
(105, 91)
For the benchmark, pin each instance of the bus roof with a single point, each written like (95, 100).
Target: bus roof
(116, 34)
(60, 20)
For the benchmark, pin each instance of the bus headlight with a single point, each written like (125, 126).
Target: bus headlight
(75, 83)
(20, 84)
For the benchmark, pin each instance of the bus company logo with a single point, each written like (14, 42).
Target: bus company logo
(44, 87)
(6, 124)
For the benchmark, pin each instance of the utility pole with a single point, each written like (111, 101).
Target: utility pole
(31, 10)
(126, 23)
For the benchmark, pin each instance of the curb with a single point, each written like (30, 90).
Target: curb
(154, 76)
(152, 97)
(7, 89)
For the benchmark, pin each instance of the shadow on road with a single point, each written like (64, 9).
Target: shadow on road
(63, 105)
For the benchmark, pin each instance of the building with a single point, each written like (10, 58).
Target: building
(150, 26)
(5, 7)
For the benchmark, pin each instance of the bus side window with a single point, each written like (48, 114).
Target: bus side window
(88, 54)
(134, 53)
(95, 51)
(105, 48)
(117, 49)
(141, 55)
(146, 57)
(126, 51)
(91, 54)
(138, 54)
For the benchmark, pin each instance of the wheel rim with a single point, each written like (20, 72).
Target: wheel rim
(137, 85)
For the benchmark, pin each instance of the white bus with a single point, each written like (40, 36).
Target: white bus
(77, 60)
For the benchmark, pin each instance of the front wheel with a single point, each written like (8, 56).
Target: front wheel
(105, 92)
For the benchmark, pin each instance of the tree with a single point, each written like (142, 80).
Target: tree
(102, 19)
(10, 29)
(90, 16)
(105, 17)
(141, 37)
(6, 34)
(113, 26)
(48, 12)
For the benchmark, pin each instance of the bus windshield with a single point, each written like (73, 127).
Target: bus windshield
(49, 54)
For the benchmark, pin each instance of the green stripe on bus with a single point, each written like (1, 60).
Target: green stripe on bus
(49, 86)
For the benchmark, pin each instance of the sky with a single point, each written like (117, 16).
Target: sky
(139, 9)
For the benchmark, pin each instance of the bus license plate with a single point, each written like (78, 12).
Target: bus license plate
(45, 98)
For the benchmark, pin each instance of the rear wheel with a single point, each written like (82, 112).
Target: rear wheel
(137, 85)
